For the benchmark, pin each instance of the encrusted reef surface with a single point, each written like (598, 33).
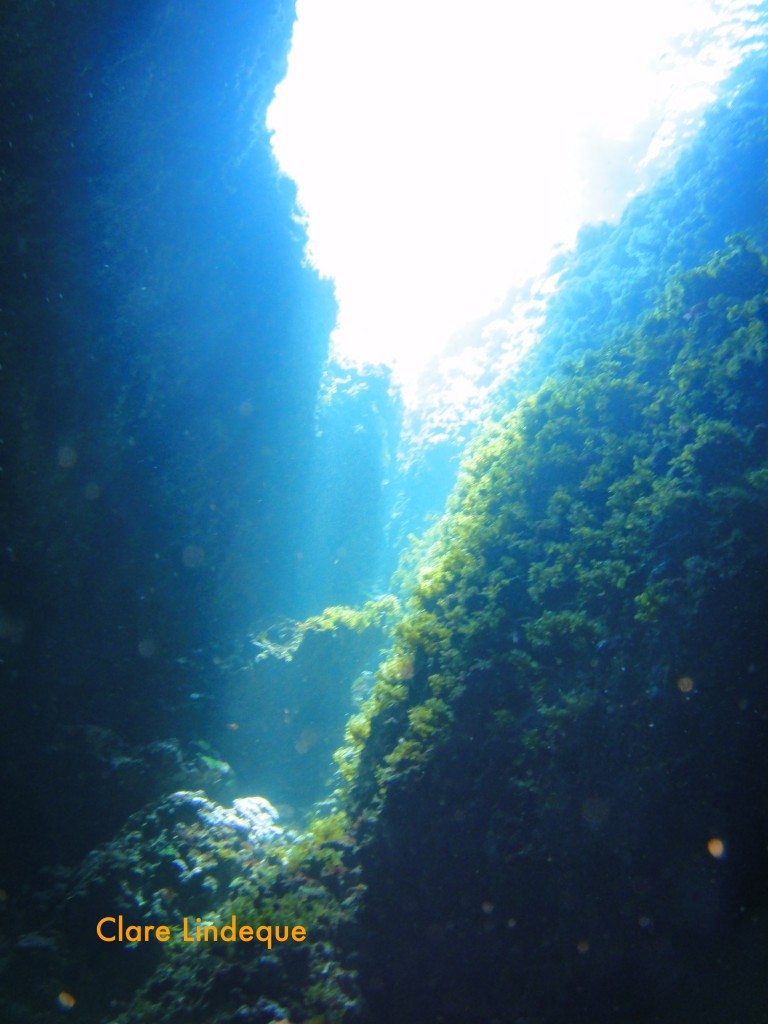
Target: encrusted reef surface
(560, 770)
(194, 912)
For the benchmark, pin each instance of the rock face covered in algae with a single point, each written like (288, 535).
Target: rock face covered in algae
(570, 720)
(597, 515)
(553, 800)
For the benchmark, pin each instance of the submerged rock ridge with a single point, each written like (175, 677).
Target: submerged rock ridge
(193, 912)
(559, 767)
(162, 341)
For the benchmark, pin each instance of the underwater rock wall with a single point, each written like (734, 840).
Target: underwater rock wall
(615, 272)
(560, 770)
(162, 345)
(553, 803)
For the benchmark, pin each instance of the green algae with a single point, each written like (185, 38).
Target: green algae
(589, 520)
(591, 512)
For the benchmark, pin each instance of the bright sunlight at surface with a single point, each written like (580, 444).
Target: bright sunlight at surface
(442, 148)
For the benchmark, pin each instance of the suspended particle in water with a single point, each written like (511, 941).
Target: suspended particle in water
(65, 1000)
(12, 629)
(146, 647)
(306, 740)
(193, 556)
(716, 848)
(66, 456)
(594, 811)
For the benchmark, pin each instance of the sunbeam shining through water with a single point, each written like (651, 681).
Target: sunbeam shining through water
(442, 151)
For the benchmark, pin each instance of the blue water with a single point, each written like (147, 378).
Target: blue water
(186, 481)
